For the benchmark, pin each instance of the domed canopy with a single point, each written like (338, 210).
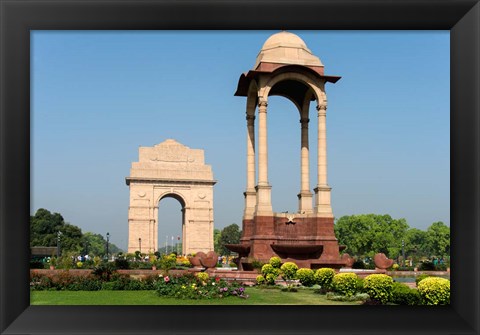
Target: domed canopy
(286, 48)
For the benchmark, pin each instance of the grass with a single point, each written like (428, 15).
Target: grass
(258, 296)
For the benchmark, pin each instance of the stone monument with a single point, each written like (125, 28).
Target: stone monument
(170, 169)
(286, 67)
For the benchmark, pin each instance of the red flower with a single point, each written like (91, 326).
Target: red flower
(166, 279)
(217, 279)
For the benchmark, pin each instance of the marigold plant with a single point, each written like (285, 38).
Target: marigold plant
(379, 286)
(275, 261)
(289, 270)
(306, 276)
(434, 291)
(324, 277)
(345, 283)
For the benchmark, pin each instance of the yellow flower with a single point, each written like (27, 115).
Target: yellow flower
(183, 286)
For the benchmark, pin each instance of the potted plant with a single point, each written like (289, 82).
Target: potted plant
(153, 260)
(53, 262)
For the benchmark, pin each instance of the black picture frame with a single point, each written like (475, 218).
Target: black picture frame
(18, 17)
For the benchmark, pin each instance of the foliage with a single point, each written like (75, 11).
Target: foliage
(256, 264)
(358, 264)
(44, 228)
(216, 241)
(202, 276)
(404, 295)
(288, 270)
(345, 283)
(270, 273)
(260, 280)
(415, 242)
(122, 263)
(360, 285)
(355, 297)
(275, 261)
(167, 262)
(324, 277)
(434, 291)
(438, 239)
(191, 287)
(306, 276)
(421, 277)
(368, 234)
(229, 235)
(104, 271)
(379, 286)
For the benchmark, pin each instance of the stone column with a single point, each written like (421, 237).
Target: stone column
(305, 196)
(250, 193)
(264, 203)
(322, 191)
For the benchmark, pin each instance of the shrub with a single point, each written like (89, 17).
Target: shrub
(379, 286)
(202, 276)
(435, 291)
(289, 270)
(395, 267)
(360, 285)
(257, 264)
(306, 276)
(324, 277)
(345, 283)
(168, 262)
(404, 295)
(357, 297)
(358, 264)
(421, 277)
(104, 271)
(187, 287)
(270, 273)
(426, 266)
(276, 262)
(122, 263)
(260, 280)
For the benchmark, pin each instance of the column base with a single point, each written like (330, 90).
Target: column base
(264, 200)
(323, 205)
(305, 202)
(250, 202)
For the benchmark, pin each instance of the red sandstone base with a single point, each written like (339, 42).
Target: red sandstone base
(307, 240)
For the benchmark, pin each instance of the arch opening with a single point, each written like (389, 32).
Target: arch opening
(170, 223)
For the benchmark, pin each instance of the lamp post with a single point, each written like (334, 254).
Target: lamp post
(108, 236)
(403, 252)
(140, 244)
(59, 233)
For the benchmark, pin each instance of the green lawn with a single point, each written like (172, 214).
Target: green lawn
(258, 296)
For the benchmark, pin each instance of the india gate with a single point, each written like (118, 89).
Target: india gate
(284, 67)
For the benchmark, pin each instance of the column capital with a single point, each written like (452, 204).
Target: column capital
(304, 122)
(322, 109)
(262, 103)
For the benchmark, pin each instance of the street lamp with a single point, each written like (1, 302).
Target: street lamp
(140, 244)
(108, 236)
(59, 233)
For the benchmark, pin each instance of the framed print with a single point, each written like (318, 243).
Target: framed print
(20, 18)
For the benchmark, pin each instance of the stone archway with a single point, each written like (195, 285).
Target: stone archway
(170, 169)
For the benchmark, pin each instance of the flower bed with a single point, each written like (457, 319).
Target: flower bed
(200, 286)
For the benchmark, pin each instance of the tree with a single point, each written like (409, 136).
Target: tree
(216, 240)
(229, 235)
(368, 234)
(438, 239)
(44, 228)
(415, 243)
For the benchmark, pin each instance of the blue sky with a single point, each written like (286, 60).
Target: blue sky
(98, 96)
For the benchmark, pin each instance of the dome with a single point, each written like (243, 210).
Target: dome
(286, 48)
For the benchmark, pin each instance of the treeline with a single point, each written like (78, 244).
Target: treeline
(368, 234)
(47, 228)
